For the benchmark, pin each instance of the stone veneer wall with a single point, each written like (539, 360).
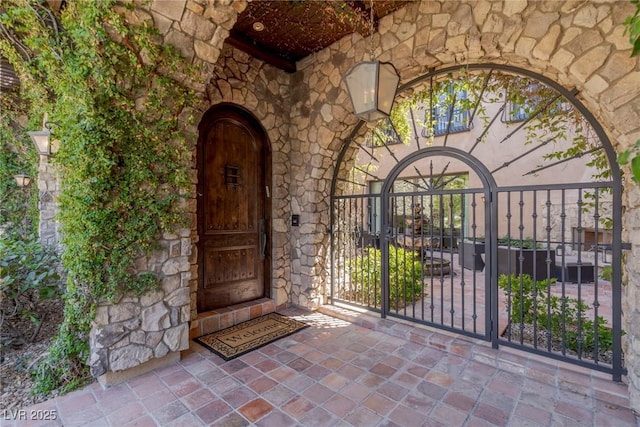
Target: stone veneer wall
(48, 191)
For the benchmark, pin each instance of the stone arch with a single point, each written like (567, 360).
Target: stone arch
(538, 38)
(348, 208)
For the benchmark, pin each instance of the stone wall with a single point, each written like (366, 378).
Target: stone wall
(48, 192)
(135, 330)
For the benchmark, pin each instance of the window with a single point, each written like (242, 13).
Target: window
(449, 108)
(515, 112)
(533, 97)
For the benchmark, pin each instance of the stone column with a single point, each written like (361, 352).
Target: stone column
(48, 191)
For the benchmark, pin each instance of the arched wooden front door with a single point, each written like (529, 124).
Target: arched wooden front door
(233, 157)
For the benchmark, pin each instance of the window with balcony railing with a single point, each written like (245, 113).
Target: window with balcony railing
(448, 115)
(534, 99)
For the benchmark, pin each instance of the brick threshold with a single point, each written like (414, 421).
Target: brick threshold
(221, 318)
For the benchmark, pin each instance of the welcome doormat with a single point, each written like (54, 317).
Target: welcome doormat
(247, 336)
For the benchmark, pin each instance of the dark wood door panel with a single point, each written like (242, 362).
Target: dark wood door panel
(232, 165)
(231, 210)
(222, 240)
(230, 264)
(240, 292)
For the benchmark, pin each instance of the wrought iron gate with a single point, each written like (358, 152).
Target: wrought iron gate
(490, 207)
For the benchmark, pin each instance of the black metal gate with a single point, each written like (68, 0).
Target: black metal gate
(490, 206)
(418, 222)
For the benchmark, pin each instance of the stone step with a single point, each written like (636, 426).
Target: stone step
(215, 320)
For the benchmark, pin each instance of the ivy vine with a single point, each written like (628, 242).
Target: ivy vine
(632, 24)
(120, 111)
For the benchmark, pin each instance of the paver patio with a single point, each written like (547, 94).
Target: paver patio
(353, 369)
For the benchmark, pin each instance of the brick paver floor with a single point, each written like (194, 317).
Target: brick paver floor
(352, 369)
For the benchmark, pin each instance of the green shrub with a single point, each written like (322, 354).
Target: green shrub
(28, 275)
(564, 318)
(27, 267)
(405, 277)
(517, 243)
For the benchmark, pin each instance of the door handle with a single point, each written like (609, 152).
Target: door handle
(263, 240)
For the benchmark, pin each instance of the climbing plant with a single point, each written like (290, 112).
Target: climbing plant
(633, 28)
(17, 208)
(119, 110)
(632, 24)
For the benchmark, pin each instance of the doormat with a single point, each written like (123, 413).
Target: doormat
(247, 336)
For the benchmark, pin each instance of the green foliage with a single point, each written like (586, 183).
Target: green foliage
(119, 107)
(65, 367)
(563, 318)
(26, 267)
(625, 157)
(18, 209)
(632, 24)
(28, 275)
(516, 243)
(398, 117)
(405, 277)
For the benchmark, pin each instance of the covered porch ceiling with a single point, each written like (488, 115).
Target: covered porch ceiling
(284, 32)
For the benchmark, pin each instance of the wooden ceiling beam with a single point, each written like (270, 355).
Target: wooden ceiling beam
(260, 52)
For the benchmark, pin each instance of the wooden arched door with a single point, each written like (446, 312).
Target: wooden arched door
(233, 191)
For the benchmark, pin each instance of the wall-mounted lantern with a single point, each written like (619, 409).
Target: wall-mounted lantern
(42, 139)
(22, 180)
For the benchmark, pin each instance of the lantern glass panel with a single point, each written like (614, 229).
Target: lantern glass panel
(41, 139)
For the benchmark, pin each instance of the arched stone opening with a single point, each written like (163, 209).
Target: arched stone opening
(548, 157)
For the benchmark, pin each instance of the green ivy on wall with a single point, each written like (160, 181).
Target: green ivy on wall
(632, 24)
(123, 159)
(18, 210)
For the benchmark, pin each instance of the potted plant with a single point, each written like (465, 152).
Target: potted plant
(525, 256)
